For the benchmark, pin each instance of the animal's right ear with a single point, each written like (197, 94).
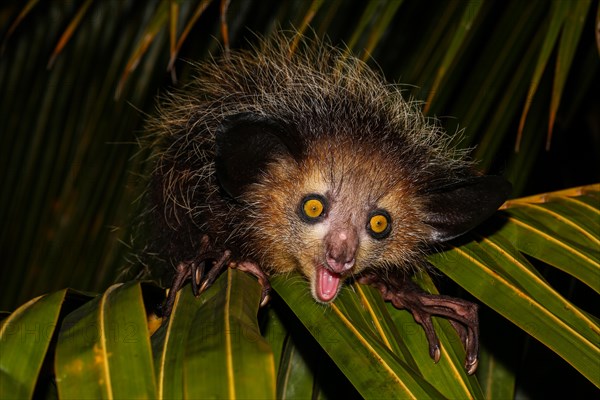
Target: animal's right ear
(456, 208)
(245, 143)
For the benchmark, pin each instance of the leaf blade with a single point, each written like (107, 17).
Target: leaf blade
(558, 12)
(510, 300)
(546, 245)
(566, 52)
(24, 340)
(367, 363)
(226, 355)
(99, 341)
(468, 18)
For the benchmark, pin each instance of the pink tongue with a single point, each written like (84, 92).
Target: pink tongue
(327, 284)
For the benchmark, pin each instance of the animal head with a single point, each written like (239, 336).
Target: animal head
(332, 204)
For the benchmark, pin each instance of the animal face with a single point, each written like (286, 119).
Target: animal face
(331, 205)
(333, 216)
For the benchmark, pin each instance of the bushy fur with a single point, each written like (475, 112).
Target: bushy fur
(356, 130)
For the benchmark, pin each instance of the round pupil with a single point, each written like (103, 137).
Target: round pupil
(378, 223)
(313, 208)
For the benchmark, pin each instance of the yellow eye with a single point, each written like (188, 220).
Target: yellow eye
(380, 224)
(313, 208)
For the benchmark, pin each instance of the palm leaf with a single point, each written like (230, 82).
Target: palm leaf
(370, 359)
(101, 340)
(227, 348)
(213, 345)
(24, 343)
(501, 277)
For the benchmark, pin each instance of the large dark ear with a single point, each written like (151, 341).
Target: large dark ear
(457, 208)
(245, 143)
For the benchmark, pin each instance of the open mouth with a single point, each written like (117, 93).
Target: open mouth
(327, 284)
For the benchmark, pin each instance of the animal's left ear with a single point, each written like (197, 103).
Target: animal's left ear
(245, 144)
(454, 209)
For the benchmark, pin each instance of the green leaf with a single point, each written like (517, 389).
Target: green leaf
(199, 10)
(275, 332)
(168, 343)
(524, 276)
(24, 340)
(459, 39)
(562, 232)
(371, 367)
(495, 272)
(371, 314)
(68, 145)
(295, 378)
(497, 379)
(225, 354)
(516, 44)
(69, 31)
(558, 15)
(566, 51)
(22, 15)
(368, 14)
(314, 7)
(400, 333)
(159, 20)
(100, 341)
(377, 16)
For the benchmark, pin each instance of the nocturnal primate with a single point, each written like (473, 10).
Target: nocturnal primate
(284, 158)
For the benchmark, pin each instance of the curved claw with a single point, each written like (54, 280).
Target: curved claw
(215, 271)
(425, 321)
(263, 279)
(471, 365)
(183, 272)
(197, 270)
(265, 295)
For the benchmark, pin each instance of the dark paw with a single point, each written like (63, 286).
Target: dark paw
(404, 294)
(195, 270)
(205, 269)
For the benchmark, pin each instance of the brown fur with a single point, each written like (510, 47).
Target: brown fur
(363, 146)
